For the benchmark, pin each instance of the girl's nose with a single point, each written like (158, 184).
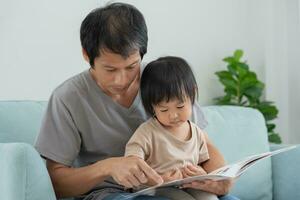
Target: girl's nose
(174, 115)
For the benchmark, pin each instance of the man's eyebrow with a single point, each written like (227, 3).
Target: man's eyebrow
(109, 66)
(135, 62)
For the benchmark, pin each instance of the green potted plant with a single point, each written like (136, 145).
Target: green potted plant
(242, 88)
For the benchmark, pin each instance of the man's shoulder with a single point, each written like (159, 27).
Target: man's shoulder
(71, 87)
(198, 116)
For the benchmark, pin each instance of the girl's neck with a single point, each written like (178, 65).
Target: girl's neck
(182, 132)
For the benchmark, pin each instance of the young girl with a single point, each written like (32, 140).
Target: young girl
(169, 142)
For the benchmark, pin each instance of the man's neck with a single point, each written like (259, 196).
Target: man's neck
(126, 99)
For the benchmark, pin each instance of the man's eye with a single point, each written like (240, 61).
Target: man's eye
(111, 70)
(130, 68)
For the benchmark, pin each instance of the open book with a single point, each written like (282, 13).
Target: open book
(227, 172)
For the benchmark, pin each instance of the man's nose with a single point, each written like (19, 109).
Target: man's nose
(120, 78)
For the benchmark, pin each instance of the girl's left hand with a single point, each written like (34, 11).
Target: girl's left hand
(221, 187)
(192, 170)
(172, 175)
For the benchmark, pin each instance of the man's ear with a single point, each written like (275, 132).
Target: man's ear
(85, 55)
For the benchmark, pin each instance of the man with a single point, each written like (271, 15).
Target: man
(91, 116)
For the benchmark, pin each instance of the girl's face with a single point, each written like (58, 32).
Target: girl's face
(173, 113)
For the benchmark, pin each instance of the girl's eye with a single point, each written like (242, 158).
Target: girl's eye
(163, 110)
(180, 106)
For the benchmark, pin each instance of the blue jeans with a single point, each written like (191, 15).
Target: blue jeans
(122, 196)
(228, 197)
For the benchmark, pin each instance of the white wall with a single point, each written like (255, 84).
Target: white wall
(40, 46)
(282, 65)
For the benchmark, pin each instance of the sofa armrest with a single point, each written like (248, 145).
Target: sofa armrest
(23, 173)
(285, 173)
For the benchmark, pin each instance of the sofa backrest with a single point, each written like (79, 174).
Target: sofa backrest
(239, 132)
(20, 120)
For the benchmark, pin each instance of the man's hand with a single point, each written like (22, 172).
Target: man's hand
(216, 187)
(221, 187)
(132, 171)
(192, 170)
(172, 175)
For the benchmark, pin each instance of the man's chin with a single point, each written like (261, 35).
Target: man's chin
(114, 91)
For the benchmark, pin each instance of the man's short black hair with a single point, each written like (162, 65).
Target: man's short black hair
(165, 79)
(117, 27)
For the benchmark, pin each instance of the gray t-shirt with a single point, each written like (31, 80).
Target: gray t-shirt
(83, 125)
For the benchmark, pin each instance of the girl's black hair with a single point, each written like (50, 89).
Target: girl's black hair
(167, 78)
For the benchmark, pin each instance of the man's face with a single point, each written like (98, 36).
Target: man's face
(115, 74)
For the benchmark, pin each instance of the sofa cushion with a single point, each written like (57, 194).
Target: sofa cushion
(285, 172)
(23, 173)
(20, 120)
(239, 132)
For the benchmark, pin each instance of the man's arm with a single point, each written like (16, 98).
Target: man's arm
(126, 171)
(216, 159)
(70, 182)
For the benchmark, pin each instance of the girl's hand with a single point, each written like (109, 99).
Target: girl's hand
(172, 175)
(192, 170)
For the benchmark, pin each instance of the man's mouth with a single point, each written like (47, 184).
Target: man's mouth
(119, 88)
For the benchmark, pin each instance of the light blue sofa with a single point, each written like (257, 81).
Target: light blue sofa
(237, 132)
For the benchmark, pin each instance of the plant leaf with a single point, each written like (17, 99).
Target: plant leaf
(229, 60)
(253, 92)
(270, 127)
(224, 74)
(230, 91)
(242, 72)
(238, 54)
(225, 100)
(232, 68)
(269, 111)
(274, 138)
(228, 82)
(244, 65)
(247, 82)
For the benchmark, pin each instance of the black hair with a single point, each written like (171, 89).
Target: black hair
(167, 78)
(117, 27)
